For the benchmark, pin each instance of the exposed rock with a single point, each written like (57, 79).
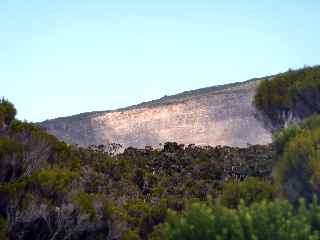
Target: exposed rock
(222, 115)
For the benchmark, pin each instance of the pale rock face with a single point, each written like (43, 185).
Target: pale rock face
(214, 116)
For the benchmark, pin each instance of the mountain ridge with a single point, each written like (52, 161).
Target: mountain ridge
(218, 115)
(167, 99)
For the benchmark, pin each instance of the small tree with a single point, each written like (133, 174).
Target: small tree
(7, 112)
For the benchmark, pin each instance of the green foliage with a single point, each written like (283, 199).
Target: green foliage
(131, 235)
(287, 91)
(31, 133)
(298, 170)
(12, 188)
(249, 191)
(155, 216)
(19, 126)
(85, 202)
(261, 221)
(11, 157)
(7, 112)
(311, 123)
(10, 147)
(52, 180)
(143, 216)
(298, 159)
(137, 210)
(111, 210)
(66, 156)
(3, 229)
(283, 137)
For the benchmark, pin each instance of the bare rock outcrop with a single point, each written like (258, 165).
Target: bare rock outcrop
(223, 115)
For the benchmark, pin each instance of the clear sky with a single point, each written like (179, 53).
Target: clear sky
(62, 57)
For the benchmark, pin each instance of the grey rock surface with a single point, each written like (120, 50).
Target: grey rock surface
(223, 115)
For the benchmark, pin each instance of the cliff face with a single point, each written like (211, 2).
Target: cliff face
(222, 115)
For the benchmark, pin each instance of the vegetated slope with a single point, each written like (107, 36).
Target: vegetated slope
(290, 96)
(51, 190)
(297, 180)
(223, 115)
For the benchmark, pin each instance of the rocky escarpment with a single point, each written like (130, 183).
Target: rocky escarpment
(223, 115)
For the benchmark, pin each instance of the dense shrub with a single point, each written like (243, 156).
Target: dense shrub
(85, 202)
(298, 170)
(31, 134)
(296, 92)
(11, 156)
(53, 190)
(276, 220)
(52, 182)
(10, 147)
(7, 112)
(298, 159)
(3, 229)
(283, 136)
(249, 191)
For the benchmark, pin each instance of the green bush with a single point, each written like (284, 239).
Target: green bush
(32, 134)
(311, 122)
(65, 155)
(283, 137)
(297, 155)
(10, 147)
(85, 202)
(276, 220)
(131, 235)
(143, 216)
(249, 191)
(11, 159)
(12, 188)
(52, 180)
(298, 169)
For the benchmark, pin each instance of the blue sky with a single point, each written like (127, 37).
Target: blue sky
(63, 57)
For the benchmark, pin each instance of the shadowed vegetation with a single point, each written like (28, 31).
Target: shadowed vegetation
(295, 93)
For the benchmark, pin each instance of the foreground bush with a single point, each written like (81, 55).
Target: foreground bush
(276, 220)
(298, 160)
